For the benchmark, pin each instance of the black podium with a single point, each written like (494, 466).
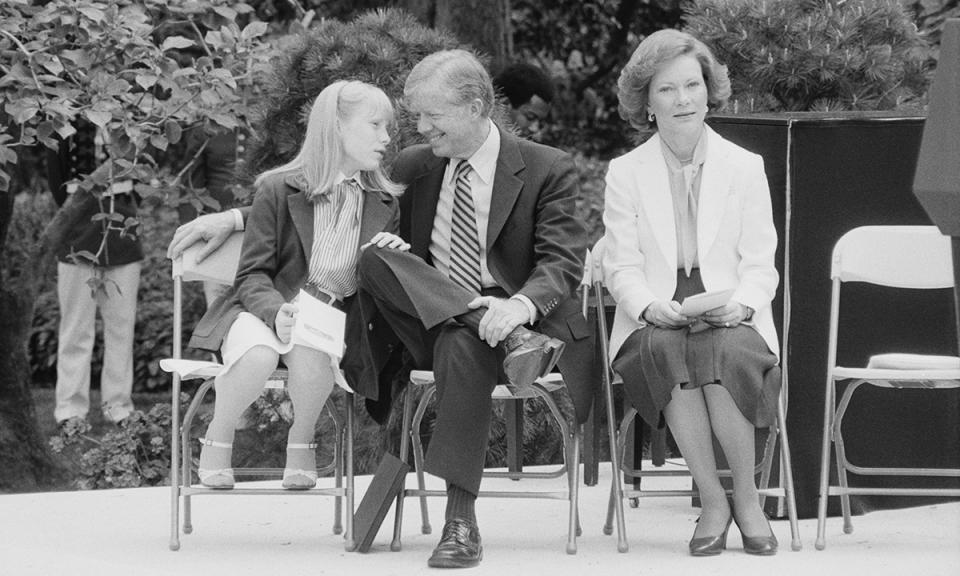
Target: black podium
(829, 173)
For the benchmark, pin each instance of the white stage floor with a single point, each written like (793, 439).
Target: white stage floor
(126, 532)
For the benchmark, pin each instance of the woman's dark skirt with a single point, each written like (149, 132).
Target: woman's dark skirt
(653, 361)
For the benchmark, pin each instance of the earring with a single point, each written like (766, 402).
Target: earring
(650, 117)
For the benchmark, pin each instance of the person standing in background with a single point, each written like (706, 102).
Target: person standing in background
(110, 254)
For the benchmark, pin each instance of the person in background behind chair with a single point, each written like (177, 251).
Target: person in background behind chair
(530, 93)
(309, 222)
(117, 256)
(688, 211)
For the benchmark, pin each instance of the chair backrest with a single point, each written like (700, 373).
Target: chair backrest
(219, 267)
(897, 256)
(595, 260)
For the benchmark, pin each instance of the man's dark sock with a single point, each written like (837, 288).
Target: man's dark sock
(460, 504)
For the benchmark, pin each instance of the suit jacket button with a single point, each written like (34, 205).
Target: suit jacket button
(370, 327)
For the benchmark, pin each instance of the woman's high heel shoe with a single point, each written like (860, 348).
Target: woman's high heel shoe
(759, 545)
(218, 479)
(710, 545)
(296, 478)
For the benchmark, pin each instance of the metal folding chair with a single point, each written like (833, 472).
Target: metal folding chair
(221, 267)
(618, 437)
(915, 257)
(423, 382)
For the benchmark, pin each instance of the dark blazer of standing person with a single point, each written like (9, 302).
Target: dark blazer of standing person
(529, 260)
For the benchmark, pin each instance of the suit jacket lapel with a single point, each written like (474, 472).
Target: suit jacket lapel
(425, 191)
(301, 213)
(506, 186)
(376, 216)
(654, 186)
(714, 185)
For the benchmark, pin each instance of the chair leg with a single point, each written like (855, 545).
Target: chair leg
(338, 472)
(174, 465)
(766, 464)
(405, 440)
(828, 407)
(841, 454)
(351, 543)
(573, 485)
(418, 454)
(786, 473)
(186, 462)
(615, 507)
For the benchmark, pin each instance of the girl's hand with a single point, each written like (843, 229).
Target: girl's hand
(727, 316)
(283, 325)
(387, 240)
(664, 314)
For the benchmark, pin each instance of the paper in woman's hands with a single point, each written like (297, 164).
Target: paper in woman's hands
(319, 326)
(696, 305)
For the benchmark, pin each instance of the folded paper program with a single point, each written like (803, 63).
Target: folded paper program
(697, 304)
(319, 326)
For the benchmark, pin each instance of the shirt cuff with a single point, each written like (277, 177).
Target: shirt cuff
(237, 219)
(529, 304)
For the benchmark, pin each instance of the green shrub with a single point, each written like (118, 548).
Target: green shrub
(592, 171)
(583, 45)
(136, 453)
(378, 47)
(818, 55)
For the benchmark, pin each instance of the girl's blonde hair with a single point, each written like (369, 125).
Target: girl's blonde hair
(321, 154)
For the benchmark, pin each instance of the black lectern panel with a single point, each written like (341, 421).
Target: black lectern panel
(829, 174)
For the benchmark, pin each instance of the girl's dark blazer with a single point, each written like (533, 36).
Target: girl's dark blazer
(277, 241)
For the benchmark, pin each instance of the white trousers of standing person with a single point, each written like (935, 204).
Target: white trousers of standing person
(78, 310)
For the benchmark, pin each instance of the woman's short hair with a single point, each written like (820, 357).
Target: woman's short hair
(633, 86)
(458, 71)
(321, 154)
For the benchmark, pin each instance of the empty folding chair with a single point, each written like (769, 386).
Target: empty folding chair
(910, 257)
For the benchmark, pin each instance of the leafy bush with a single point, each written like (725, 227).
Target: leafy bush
(583, 45)
(137, 453)
(592, 171)
(819, 55)
(378, 47)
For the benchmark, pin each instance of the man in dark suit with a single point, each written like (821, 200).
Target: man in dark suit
(465, 314)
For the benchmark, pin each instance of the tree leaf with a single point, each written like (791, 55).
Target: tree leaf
(173, 131)
(254, 30)
(228, 13)
(22, 110)
(92, 13)
(53, 64)
(99, 118)
(159, 141)
(146, 80)
(226, 120)
(177, 43)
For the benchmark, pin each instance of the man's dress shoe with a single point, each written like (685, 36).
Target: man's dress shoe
(530, 355)
(459, 546)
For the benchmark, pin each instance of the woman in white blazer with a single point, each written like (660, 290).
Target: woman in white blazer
(688, 212)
